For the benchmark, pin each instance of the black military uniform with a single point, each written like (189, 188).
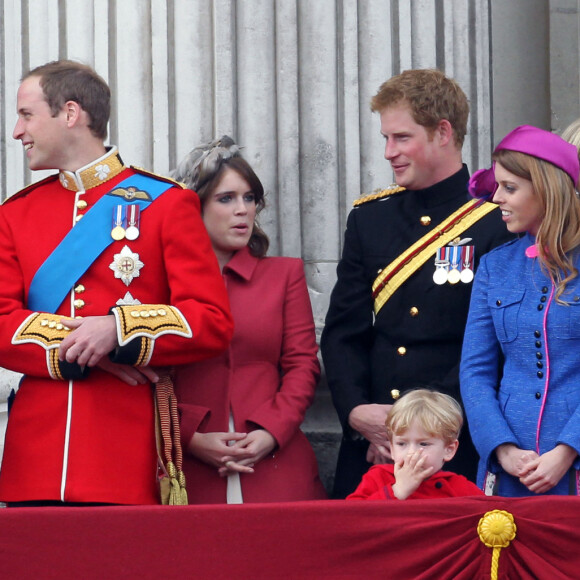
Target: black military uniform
(415, 340)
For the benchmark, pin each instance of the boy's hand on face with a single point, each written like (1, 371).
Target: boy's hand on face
(410, 472)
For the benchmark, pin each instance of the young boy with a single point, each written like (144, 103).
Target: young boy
(422, 428)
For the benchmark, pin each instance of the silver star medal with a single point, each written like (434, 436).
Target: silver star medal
(128, 300)
(126, 265)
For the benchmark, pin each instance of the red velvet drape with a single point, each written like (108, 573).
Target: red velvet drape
(421, 539)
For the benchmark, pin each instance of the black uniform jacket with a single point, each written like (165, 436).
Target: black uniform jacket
(415, 340)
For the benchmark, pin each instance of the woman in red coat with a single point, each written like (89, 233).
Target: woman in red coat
(241, 411)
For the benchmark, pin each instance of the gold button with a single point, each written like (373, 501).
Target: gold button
(78, 303)
(402, 351)
(82, 204)
(425, 220)
(79, 289)
(395, 394)
(79, 218)
(414, 311)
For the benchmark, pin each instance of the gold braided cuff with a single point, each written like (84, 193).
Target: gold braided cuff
(54, 364)
(43, 329)
(145, 352)
(149, 321)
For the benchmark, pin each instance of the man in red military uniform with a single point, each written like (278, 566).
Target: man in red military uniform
(107, 276)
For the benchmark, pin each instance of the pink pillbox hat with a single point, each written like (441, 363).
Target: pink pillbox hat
(537, 143)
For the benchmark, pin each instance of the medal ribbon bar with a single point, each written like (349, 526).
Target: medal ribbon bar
(400, 269)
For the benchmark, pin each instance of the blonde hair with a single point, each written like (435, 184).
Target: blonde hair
(438, 414)
(559, 233)
(572, 133)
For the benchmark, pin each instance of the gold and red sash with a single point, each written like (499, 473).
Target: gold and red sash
(402, 267)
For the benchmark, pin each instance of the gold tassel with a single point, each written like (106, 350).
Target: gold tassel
(170, 455)
(182, 488)
(173, 484)
(174, 493)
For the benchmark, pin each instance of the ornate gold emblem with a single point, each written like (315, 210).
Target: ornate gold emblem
(496, 530)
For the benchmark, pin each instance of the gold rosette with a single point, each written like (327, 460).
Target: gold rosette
(496, 530)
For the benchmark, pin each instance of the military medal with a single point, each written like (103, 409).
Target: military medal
(453, 276)
(118, 231)
(467, 263)
(132, 231)
(441, 266)
(126, 265)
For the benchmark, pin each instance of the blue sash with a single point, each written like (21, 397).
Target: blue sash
(84, 243)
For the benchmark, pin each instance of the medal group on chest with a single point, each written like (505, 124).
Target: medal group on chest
(126, 265)
(126, 222)
(454, 263)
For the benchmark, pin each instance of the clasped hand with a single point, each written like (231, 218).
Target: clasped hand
(232, 452)
(89, 344)
(539, 473)
(90, 340)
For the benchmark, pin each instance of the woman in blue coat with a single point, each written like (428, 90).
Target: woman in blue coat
(520, 367)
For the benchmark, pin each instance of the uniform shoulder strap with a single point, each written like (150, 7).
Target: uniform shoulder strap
(377, 194)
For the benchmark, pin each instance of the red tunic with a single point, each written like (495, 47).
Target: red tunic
(91, 439)
(378, 481)
(267, 378)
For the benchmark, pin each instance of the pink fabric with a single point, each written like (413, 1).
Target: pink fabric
(531, 141)
(547, 381)
(532, 251)
(543, 145)
(482, 183)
